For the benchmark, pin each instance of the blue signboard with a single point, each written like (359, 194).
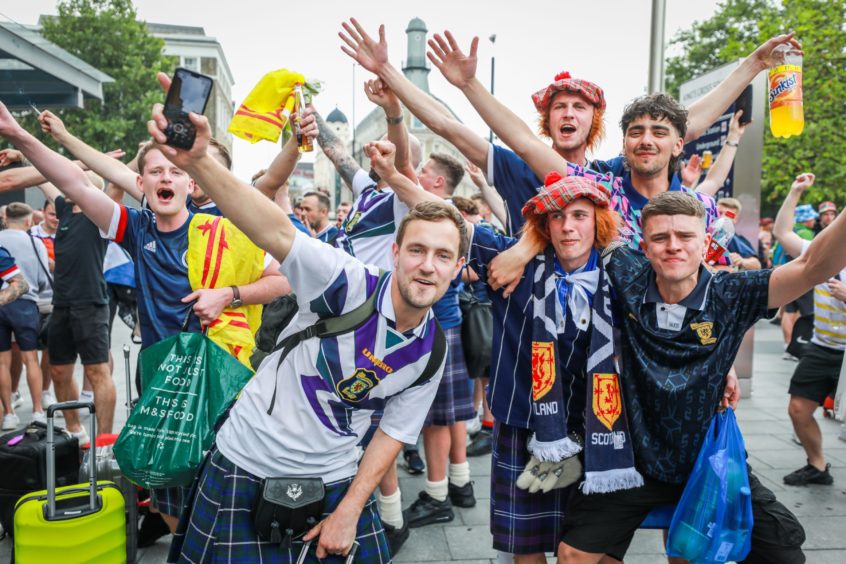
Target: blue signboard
(713, 140)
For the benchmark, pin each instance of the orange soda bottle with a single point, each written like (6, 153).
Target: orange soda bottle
(786, 114)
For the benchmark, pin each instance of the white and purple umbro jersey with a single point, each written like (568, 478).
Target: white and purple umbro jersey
(327, 389)
(370, 227)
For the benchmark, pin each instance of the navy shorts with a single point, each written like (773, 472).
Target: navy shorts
(20, 317)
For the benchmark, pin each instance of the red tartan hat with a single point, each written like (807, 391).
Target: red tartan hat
(560, 191)
(565, 83)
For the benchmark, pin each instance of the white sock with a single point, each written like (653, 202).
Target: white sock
(459, 474)
(438, 490)
(390, 508)
(86, 395)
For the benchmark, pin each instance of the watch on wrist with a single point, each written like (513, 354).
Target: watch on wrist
(734, 144)
(393, 120)
(236, 298)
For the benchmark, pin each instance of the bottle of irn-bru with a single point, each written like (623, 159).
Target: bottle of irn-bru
(786, 114)
(303, 141)
(721, 234)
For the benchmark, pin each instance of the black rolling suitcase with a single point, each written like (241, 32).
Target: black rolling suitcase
(23, 460)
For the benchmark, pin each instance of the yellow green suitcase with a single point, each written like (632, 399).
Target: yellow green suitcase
(71, 524)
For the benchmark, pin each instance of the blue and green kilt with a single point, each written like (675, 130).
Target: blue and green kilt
(453, 401)
(218, 526)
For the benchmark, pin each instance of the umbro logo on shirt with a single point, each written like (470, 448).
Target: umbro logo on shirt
(151, 246)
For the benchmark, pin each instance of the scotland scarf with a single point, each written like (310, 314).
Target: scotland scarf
(609, 460)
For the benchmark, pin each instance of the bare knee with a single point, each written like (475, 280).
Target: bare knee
(568, 554)
(801, 408)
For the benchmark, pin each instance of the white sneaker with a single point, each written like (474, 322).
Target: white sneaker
(788, 356)
(81, 436)
(17, 400)
(47, 399)
(11, 422)
(39, 417)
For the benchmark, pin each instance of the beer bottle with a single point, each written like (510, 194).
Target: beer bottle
(304, 143)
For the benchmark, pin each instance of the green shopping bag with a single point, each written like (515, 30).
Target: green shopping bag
(189, 382)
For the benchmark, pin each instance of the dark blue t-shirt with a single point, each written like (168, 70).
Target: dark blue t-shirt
(673, 378)
(161, 273)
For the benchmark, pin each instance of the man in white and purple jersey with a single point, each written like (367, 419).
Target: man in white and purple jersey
(328, 388)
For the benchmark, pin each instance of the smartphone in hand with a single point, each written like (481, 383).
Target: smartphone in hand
(189, 92)
(744, 102)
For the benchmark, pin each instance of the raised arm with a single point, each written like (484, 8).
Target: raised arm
(783, 226)
(109, 168)
(381, 155)
(334, 149)
(379, 93)
(716, 177)
(825, 257)
(250, 210)
(65, 175)
(280, 169)
(490, 195)
(50, 192)
(374, 57)
(26, 176)
(705, 111)
(460, 70)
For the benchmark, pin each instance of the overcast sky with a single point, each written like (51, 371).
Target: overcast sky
(606, 41)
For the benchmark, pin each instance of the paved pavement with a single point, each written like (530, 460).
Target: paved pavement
(766, 429)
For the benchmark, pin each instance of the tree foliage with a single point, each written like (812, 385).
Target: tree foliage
(107, 35)
(820, 25)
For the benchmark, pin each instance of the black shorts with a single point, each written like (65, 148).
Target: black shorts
(817, 373)
(79, 330)
(804, 304)
(122, 297)
(606, 523)
(21, 318)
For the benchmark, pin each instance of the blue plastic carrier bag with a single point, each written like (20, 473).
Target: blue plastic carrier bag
(713, 520)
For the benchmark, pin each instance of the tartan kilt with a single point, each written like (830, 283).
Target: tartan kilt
(453, 400)
(169, 501)
(218, 525)
(521, 522)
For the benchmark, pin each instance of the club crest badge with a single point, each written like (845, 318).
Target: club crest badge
(294, 491)
(350, 223)
(356, 387)
(607, 400)
(543, 369)
(704, 331)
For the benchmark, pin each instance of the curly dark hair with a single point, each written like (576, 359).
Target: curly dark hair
(658, 106)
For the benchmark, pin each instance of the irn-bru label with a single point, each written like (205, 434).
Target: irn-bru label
(785, 85)
(713, 251)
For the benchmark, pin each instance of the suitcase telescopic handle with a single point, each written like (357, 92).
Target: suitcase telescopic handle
(128, 381)
(51, 453)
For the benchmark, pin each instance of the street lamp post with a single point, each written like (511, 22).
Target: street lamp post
(656, 47)
(492, 39)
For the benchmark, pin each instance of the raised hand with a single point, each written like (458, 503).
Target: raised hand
(803, 182)
(459, 69)
(691, 171)
(183, 158)
(763, 55)
(52, 125)
(379, 93)
(382, 155)
(8, 124)
(736, 129)
(361, 47)
(9, 156)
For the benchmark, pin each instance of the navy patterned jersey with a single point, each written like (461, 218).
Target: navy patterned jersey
(674, 372)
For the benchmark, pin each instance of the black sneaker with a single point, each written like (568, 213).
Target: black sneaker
(396, 537)
(462, 496)
(153, 527)
(427, 510)
(809, 475)
(413, 463)
(481, 444)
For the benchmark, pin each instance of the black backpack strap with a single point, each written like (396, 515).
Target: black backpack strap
(329, 327)
(436, 358)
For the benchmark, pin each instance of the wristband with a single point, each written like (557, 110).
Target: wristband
(732, 144)
(393, 120)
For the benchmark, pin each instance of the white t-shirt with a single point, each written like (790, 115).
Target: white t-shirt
(370, 227)
(327, 389)
(829, 314)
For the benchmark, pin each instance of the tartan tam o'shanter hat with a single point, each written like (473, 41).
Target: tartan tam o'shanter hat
(827, 207)
(561, 191)
(563, 82)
